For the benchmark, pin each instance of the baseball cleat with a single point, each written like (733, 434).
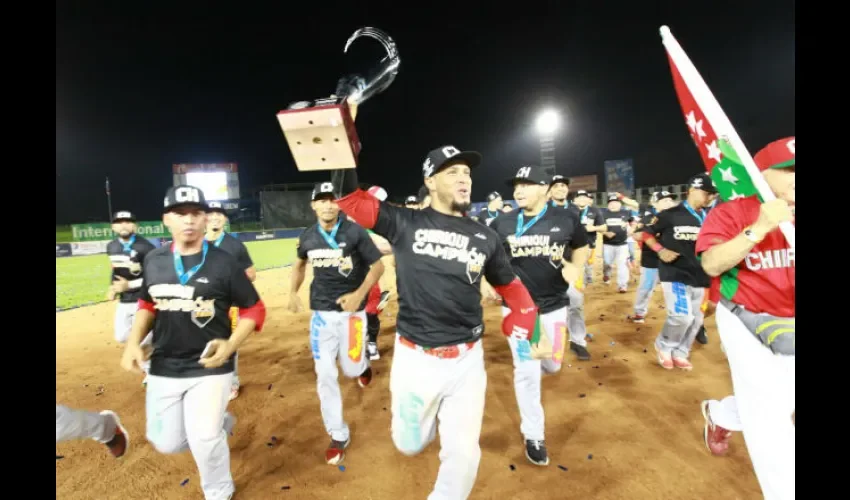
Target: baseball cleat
(580, 351)
(335, 453)
(682, 364)
(365, 378)
(234, 391)
(385, 298)
(701, 336)
(120, 442)
(372, 348)
(716, 438)
(636, 318)
(535, 452)
(622, 289)
(664, 359)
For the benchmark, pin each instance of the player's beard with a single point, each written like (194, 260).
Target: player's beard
(125, 235)
(461, 207)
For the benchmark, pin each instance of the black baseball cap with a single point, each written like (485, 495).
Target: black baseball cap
(444, 156)
(702, 181)
(529, 174)
(660, 195)
(613, 197)
(216, 206)
(123, 216)
(581, 192)
(184, 195)
(411, 200)
(323, 190)
(493, 196)
(559, 179)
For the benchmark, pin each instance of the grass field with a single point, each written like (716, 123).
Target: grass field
(83, 280)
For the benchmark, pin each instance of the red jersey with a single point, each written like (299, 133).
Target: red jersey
(764, 282)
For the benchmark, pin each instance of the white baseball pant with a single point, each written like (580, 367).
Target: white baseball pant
(426, 388)
(684, 318)
(528, 372)
(337, 335)
(189, 413)
(616, 256)
(125, 313)
(575, 317)
(765, 395)
(81, 424)
(648, 281)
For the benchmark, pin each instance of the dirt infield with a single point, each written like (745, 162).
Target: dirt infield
(617, 426)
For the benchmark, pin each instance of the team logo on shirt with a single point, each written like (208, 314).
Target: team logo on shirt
(537, 245)
(450, 246)
(126, 262)
(181, 298)
(685, 233)
(331, 257)
(616, 221)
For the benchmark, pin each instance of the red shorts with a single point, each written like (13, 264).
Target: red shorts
(373, 300)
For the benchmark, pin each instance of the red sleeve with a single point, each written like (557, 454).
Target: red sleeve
(720, 226)
(714, 290)
(362, 207)
(257, 312)
(147, 306)
(523, 313)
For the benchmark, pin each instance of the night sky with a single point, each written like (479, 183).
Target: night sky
(139, 88)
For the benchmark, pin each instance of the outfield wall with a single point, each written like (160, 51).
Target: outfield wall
(98, 247)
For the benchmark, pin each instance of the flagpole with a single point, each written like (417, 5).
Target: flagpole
(108, 200)
(719, 121)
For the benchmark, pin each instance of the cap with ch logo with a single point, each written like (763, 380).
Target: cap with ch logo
(493, 196)
(216, 206)
(530, 174)
(323, 190)
(411, 200)
(702, 181)
(560, 179)
(184, 196)
(445, 156)
(123, 216)
(660, 195)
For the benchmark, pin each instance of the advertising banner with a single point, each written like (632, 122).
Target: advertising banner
(620, 176)
(63, 250)
(587, 183)
(98, 231)
(89, 247)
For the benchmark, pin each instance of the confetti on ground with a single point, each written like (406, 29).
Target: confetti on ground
(270, 387)
(590, 457)
(600, 383)
(60, 457)
(284, 487)
(512, 466)
(644, 350)
(274, 438)
(342, 468)
(185, 482)
(612, 342)
(562, 468)
(269, 445)
(582, 395)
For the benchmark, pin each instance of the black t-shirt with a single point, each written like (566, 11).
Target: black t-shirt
(617, 223)
(589, 216)
(485, 216)
(439, 262)
(677, 229)
(236, 248)
(127, 261)
(337, 271)
(190, 315)
(536, 255)
(648, 257)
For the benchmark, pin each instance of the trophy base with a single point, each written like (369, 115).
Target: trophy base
(321, 135)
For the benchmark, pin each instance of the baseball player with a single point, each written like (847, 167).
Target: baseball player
(216, 222)
(630, 240)
(559, 189)
(424, 197)
(494, 207)
(104, 427)
(438, 362)
(346, 265)
(377, 299)
(615, 251)
(673, 237)
(126, 255)
(536, 237)
(411, 202)
(741, 244)
(659, 202)
(594, 223)
(188, 291)
(709, 305)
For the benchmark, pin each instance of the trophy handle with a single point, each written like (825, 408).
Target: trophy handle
(364, 88)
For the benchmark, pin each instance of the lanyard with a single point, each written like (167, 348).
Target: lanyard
(185, 276)
(330, 238)
(128, 247)
(218, 240)
(520, 228)
(700, 216)
(566, 204)
(489, 213)
(584, 212)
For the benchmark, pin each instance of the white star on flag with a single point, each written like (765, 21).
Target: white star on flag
(713, 151)
(735, 196)
(727, 175)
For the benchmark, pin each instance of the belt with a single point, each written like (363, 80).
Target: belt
(775, 332)
(444, 352)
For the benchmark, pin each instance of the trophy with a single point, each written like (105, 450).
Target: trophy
(321, 133)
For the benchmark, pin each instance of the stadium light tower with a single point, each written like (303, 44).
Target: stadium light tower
(548, 124)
